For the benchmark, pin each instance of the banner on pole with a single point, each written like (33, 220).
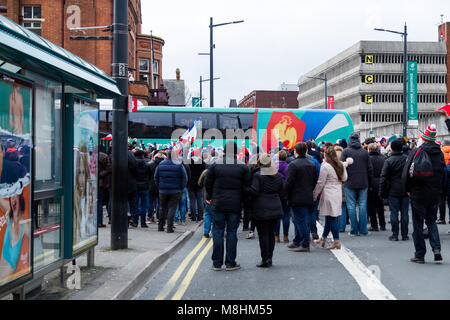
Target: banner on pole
(413, 120)
(331, 103)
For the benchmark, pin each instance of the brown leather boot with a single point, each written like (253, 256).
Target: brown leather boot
(277, 238)
(286, 239)
(320, 242)
(335, 245)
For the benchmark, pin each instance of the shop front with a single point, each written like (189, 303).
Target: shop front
(48, 155)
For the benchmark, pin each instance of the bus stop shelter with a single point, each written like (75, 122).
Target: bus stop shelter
(48, 155)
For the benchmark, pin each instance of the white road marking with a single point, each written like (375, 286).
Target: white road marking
(370, 285)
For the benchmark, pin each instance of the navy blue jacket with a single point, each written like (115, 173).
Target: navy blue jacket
(170, 177)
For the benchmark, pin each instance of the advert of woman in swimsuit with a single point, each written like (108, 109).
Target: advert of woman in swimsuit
(15, 177)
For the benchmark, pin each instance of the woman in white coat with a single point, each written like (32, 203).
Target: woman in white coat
(332, 174)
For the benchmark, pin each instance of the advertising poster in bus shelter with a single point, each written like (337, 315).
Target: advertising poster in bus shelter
(85, 176)
(15, 179)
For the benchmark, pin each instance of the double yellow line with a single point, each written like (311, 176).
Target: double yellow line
(190, 274)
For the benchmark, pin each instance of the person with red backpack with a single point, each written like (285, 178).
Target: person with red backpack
(423, 180)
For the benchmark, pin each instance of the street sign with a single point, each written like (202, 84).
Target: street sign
(195, 102)
(369, 59)
(368, 79)
(368, 98)
(331, 103)
(413, 120)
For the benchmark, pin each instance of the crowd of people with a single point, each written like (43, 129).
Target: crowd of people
(346, 183)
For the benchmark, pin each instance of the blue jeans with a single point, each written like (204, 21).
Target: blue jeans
(302, 222)
(208, 219)
(401, 204)
(286, 220)
(142, 202)
(100, 206)
(181, 209)
(331, 224)
(421, 213)
(314, 215)
(231, 220)
(353, 196)
(342, 219)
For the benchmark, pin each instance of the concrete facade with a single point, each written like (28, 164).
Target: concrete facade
(347, 82)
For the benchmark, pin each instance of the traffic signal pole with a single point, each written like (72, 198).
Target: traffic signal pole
(119, 216)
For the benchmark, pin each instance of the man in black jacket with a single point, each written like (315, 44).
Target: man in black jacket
(196, 166)
(375, 206)
(143, 177)
(391, 188)
(154, 192)
(132, 189)
(360, 175)
(225, 183)
(301, 180)
(425, 193)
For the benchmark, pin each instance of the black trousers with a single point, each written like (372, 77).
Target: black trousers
(442, 206)
(266, 236)
(196, 201)
(132, 203)
(375, 207)
(167, 203)
(247, 220)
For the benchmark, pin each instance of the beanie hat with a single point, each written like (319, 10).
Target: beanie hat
(430, 133)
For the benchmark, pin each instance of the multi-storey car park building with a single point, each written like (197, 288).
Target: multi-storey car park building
(372, 71)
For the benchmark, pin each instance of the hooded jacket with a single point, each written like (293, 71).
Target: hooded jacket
(225, 183)
(301, 180)
(153, 165)
(391, 176)
(377, 161)
(360, 173)
(266, 192)
(143, 173)
(429, 192)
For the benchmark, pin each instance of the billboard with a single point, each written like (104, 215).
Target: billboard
(15, 179)
(85, 157)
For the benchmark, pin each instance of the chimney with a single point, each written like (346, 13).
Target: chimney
(178, 73)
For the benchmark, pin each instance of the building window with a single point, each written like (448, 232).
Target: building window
(155, 66)
(143, 77)
(31, 12)
(155, 82)
(32, 19)
(143, 65)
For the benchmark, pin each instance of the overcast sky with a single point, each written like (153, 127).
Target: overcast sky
(279, 40)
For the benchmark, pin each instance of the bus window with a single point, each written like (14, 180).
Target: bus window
(150, 124)
(235, 121)
(184, 120)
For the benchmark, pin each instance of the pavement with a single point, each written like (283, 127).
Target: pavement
(119, 274)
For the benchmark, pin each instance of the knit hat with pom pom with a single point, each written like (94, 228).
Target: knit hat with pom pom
(430, 133)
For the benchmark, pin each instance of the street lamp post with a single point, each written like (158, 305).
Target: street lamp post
(326, 86)
(119, 219)
(405, 77)
(211, 58)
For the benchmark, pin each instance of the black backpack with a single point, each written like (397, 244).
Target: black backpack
(421, 168)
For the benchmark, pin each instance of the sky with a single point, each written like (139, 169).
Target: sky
(278, 40)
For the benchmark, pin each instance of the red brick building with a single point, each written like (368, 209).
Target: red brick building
(444, 36)
(270, 99)
(53, 18)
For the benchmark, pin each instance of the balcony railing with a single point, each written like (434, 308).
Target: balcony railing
(158, 97)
